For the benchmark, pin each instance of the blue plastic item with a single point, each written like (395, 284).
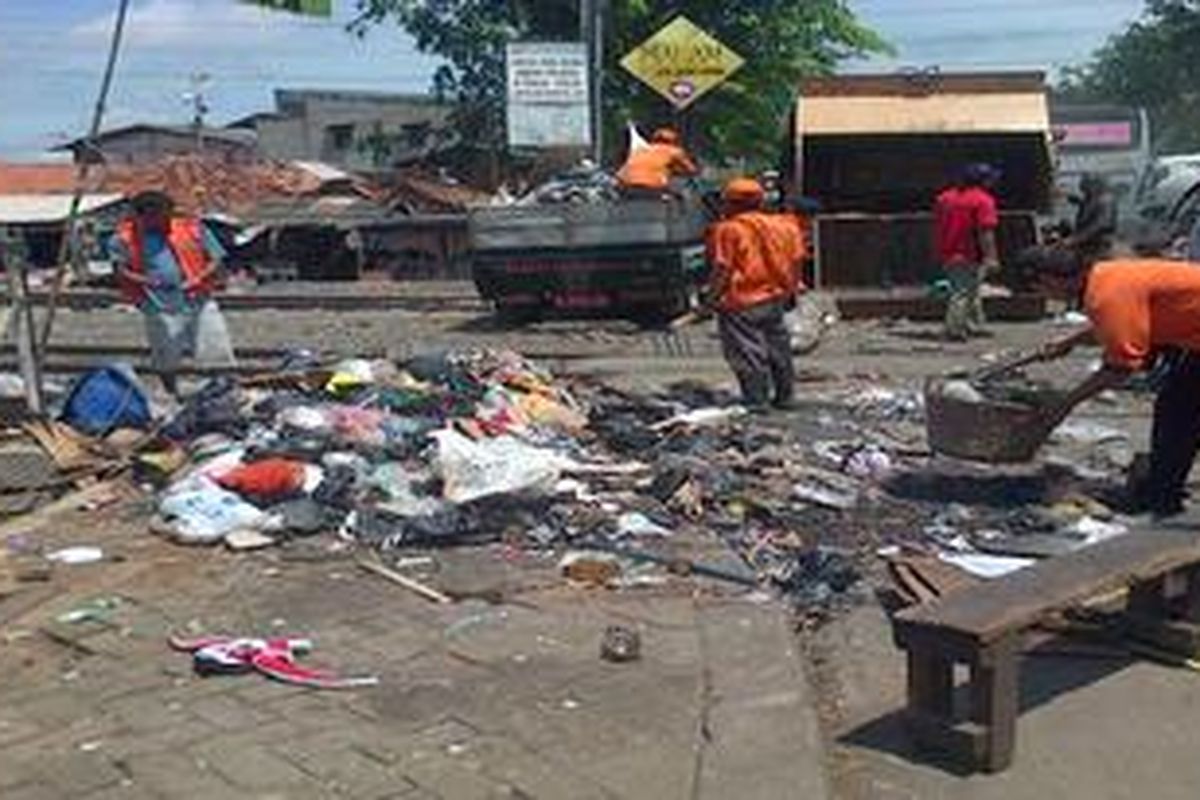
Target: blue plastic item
(105, 399)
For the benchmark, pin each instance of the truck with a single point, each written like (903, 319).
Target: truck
(637, 258)
(875, 150)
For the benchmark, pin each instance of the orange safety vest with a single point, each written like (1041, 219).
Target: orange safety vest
(653, 166)
(186, 240)
(756, 257)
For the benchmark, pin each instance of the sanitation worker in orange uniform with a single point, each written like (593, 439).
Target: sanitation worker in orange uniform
(756, 259)
(1138, 308)
(649, 169)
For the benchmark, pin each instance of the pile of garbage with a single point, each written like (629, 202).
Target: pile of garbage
(448, 447)
(583, 183)
(480, 446)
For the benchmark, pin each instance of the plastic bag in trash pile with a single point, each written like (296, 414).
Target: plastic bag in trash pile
(583, 184)
(204, 515)
(504, 465)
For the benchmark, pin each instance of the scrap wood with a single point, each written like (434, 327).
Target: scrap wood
(309, 380)
(415, 586)
(921, 578)
(69, 450)
(30, 522)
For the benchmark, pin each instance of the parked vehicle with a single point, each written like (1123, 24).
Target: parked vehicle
(1168, 199)
(1113, 142)
(635, 258)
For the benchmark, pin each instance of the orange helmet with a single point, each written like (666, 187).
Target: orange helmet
(665, 136)
(743, 191)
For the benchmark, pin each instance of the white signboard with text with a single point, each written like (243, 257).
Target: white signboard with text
(548, 96)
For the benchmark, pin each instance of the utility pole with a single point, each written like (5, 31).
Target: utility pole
(592, 14)
(68, 252)
(18, 321)
(199, 104)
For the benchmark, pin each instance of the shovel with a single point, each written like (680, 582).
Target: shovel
(674, 341)
(1016, 362)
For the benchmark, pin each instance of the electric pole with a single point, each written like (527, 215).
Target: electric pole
(199, 104)
(592, 15)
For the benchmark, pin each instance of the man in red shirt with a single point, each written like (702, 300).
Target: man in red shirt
(1137, 308)
(755, 258)
(965, 222)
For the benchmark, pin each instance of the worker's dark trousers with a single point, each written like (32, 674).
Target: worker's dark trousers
(1175, 439)
(758, 349)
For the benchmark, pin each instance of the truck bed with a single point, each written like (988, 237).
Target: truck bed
(634, 223)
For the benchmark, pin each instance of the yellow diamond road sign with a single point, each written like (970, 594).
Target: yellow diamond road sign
(682, 62)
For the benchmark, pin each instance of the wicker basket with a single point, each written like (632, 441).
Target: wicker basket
(993, 432)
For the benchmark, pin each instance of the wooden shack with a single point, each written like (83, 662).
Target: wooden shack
(875, 150)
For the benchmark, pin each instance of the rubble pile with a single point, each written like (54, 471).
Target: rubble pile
(475, 447)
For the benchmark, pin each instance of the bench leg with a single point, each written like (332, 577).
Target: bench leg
(930, 684)
(994, 702)
(1191, 608)
(1148, 599)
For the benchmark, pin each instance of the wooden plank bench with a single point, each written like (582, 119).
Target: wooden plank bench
(982, 627)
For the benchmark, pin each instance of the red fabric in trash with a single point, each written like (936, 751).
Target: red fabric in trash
(271, 477)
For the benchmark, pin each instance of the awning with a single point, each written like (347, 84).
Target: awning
(46, 209)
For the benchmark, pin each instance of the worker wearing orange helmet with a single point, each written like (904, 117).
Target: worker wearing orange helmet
(650, 169)
(756, 258)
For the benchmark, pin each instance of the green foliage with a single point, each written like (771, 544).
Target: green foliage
(1155, 63)
(782, 41)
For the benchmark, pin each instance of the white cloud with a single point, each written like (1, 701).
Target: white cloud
(193, 24)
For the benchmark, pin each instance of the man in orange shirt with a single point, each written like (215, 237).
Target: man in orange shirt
(649, 170)
(755, 258)
(1138, 308)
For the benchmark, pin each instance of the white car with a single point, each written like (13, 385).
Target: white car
(1167, 199)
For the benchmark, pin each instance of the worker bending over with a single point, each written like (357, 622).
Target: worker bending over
(965, 222)
(755, 259)
(167, 267)
(649, 169)
(1138, 308)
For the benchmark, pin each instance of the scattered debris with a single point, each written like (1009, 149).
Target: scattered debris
(74, 556)
(620, 644)
(274, 658)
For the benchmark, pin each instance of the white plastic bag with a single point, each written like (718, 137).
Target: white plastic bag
(504, 465)
(206, 514)
(636, 140)
(806, 323)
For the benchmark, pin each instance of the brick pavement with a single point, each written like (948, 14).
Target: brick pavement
(477, 699)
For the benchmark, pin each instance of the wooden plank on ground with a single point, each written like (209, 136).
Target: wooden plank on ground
(1021, 598)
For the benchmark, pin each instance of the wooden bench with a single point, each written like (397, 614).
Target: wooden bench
(983, 626)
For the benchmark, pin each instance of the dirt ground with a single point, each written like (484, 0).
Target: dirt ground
(502, 694)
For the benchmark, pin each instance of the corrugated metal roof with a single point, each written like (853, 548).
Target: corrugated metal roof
(28, 209)
(234, 136)
(924, 103)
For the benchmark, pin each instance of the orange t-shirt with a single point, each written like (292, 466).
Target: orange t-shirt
(755, 257)
(653, 166)
(1137, 306)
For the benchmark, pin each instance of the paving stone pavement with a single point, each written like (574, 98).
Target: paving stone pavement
(503, 697)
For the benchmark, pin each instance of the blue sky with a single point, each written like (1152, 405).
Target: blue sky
(52, 51)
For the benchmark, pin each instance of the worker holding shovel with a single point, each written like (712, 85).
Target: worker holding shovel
(1137, 308)
(167, 268)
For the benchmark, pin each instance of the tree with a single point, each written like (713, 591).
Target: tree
(1153, 64)
(783, 41)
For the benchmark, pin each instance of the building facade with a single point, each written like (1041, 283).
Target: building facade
(351, 129)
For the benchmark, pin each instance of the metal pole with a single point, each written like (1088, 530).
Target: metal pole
(68, 245)
(598, 9)
(20, 325)
(591, 33)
